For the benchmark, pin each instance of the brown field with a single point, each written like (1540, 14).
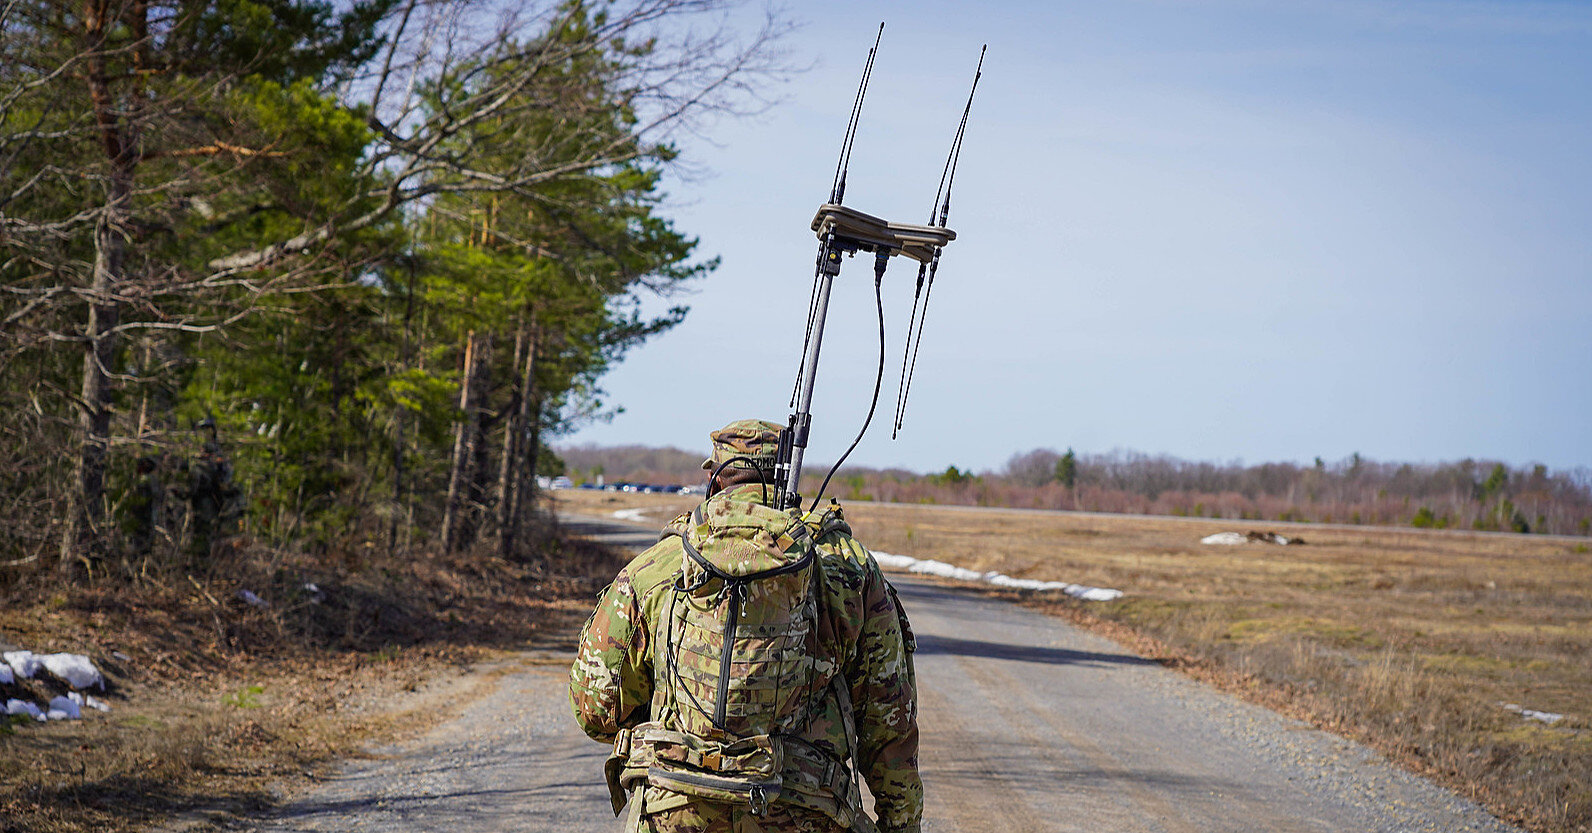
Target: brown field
(1409, 640)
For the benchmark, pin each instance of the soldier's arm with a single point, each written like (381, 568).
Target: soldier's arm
(884, 696)
(610, 684)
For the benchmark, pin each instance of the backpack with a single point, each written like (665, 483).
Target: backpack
(736, 671)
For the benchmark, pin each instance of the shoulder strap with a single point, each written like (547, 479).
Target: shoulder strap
(712, 571)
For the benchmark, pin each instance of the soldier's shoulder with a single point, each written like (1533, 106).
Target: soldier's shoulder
(655, 567)
(841, 547)
(847, 565)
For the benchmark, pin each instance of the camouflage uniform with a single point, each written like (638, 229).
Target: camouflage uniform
(215, 504)
(146, 508)
(862, 636)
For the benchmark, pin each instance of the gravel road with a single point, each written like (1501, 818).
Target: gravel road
(1028, 724)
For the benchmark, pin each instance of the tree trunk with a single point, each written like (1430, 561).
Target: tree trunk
(82, 540)
(513, 481)
(525, 496)
(400, 441)
(478, 514)
(458, 527)
(510, 445)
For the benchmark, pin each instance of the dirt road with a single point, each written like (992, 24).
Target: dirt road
(1028, 724)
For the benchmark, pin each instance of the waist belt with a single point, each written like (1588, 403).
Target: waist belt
(753, 771)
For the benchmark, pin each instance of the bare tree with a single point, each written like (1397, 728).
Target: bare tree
(1033, 468)
(204, 204)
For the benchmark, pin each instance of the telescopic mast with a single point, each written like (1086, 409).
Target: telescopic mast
(844, 231)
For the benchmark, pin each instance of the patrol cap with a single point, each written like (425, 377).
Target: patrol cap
(757, 439)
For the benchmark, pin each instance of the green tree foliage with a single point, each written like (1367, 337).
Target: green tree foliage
(952, 476)
(293, 214)
(1067, 469)
(1495, 483)
(134, 136)
(1425, 518)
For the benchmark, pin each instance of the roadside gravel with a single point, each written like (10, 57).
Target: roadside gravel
(509, 760)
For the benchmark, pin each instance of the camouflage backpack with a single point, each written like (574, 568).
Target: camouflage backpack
(736, 672)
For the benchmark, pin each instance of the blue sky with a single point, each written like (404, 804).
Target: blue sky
(1220, 230)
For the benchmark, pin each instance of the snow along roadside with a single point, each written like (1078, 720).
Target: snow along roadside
(75, 670)
(940, 568)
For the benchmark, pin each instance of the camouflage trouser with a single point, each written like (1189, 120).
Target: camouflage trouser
(708, 817)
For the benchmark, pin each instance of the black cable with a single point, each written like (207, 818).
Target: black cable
(878, 297)
(762, 476)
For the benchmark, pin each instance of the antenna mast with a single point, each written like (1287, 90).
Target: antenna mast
(844, 231)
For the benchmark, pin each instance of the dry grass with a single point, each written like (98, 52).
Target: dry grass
(220, 705)
(658, 509)
(1408, 640)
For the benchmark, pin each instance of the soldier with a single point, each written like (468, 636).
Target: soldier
(147, 508)
(750, 665)
(214, 503)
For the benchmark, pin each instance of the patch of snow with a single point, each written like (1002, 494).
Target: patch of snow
(900, 562)
(1532, 714)
(940, 568)
(1093, 594)
(1250, 537)
(75, 669)
(69, 707)
(24, 663)
(632, 515)
(252, 600)
(121, 656)
(15, 706)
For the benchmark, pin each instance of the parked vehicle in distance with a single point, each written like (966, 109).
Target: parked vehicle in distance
(561, 482)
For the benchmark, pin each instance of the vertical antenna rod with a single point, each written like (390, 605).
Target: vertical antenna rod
(837, 194)
(793, 440)
(947, 178)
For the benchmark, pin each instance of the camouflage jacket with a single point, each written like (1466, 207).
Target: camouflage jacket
(862, 629)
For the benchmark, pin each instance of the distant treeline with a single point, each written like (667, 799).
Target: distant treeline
(634, 463)
(1468, 494)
